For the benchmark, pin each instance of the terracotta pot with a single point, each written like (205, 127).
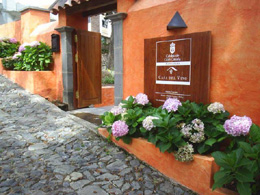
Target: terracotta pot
(196, 175)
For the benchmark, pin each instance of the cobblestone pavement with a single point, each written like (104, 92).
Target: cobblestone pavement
(44, 150)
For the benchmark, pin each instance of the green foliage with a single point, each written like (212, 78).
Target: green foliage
(9, 63)
(214, 130)
(108, 80)
(239, 159)
(241, 166)
(7, 48)
(35, 58)
(107, 77)
(166, 136)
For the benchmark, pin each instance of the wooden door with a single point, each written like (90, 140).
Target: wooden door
(87, 68)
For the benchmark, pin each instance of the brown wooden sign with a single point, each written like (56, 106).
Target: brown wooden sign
(178, 66)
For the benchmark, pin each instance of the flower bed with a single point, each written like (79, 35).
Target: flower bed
(196, 175)
(181, 129)
(34, 56)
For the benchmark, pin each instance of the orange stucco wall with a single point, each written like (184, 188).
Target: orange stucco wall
(76, 21)
(200, 171)
(40, 82)
(35, 26)
(107, 96)
(12, 30)
(235, 46)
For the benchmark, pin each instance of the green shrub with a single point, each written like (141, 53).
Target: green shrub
(107, 77)
(8, 63)
(8, 47)
(35, 56)
(241, 165)
(185, 128)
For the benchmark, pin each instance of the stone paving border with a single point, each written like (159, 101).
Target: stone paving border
(44, 150)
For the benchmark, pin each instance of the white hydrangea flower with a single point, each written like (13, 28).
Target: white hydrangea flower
(116, 110)
(185, 153)
(194, 131)
(148, 122)
(186, 130)
(198, 125)
(216, 107)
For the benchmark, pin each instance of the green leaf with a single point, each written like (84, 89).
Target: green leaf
(152, 139)
(202, 148)
(244, 162)
(222, 160)
(164, 146)
(244, 175)
(195, 107)
(246, 147)
(163, 139)
(109, 119)
(143, 130)
(244, 188)
(210, 141)
(127, 139)
(220, 128)
(254, 133)
(132, 130)
(221, 178)
(221, 139)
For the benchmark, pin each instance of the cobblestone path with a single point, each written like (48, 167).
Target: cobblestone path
(44, 150)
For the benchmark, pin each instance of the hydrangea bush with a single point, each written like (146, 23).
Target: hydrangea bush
(34, 56)
(185, 128)
(8, 47)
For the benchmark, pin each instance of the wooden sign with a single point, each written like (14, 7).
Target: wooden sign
(179, 67)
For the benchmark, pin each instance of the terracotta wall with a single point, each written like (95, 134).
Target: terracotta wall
(107, 96)
(235, 45)
(76, 21)
(35, 26)
(12, 29)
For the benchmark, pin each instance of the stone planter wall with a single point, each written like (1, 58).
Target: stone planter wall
(196, 175)
(42, 83)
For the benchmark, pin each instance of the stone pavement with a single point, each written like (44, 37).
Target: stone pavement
(44, 150)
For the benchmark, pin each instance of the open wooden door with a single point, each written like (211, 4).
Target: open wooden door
(87, 69)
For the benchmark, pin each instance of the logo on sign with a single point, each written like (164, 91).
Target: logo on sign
(172, 48)
(172, 69)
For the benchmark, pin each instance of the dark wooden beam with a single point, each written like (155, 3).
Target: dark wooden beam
(104, 9)
(88, 6)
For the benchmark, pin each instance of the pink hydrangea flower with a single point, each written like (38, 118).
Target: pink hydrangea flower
(237, 125)
(12, 40)
(16, 55)
(141, 99)
(171, 104)
(21, 48)
(119, 128)
(34, 43)
(116, 110)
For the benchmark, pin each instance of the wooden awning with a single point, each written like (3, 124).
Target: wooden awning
(86, 7)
